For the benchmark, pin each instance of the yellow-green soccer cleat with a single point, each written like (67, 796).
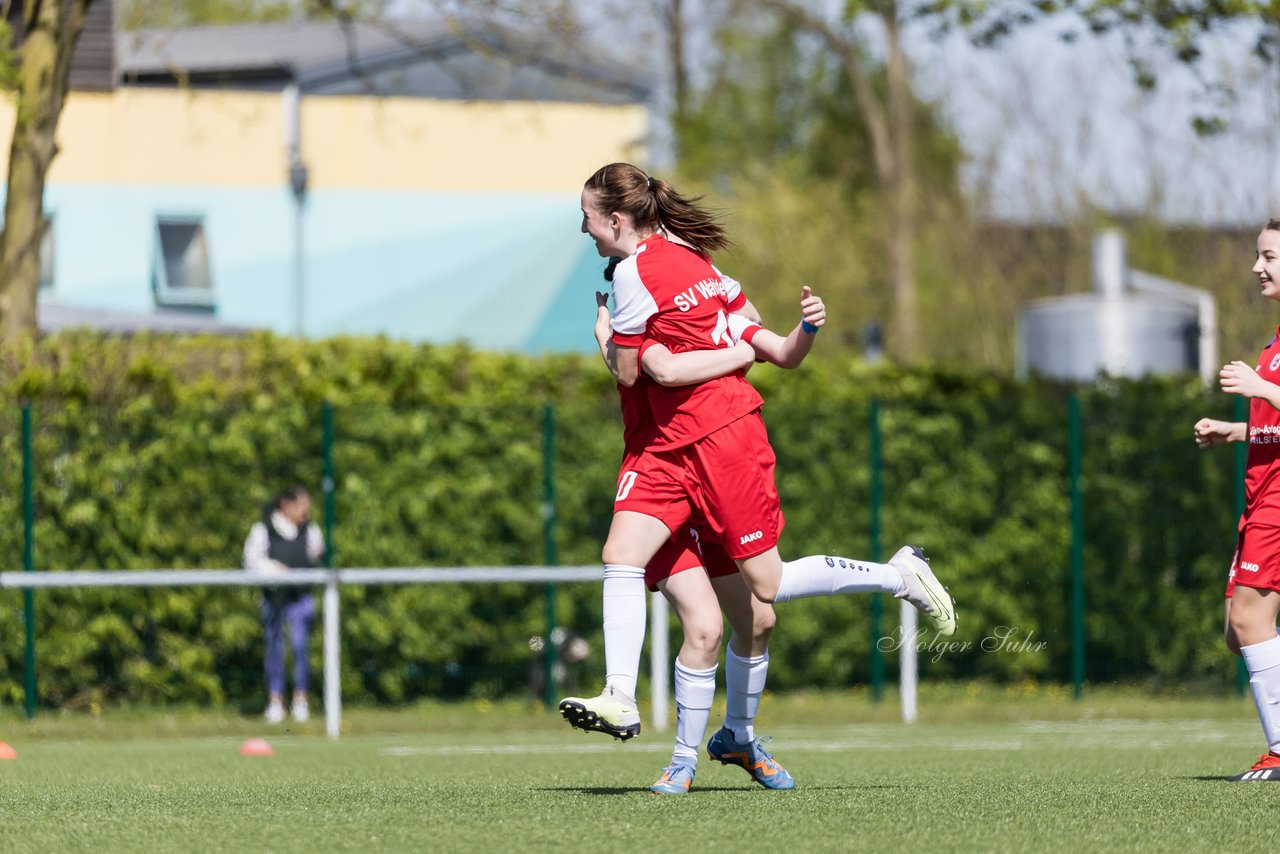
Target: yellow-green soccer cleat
(924, 590)
(612, 713)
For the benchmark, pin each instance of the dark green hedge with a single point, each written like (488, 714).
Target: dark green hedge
(156, 452)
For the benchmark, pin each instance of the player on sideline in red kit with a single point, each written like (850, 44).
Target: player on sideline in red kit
(1253, 586)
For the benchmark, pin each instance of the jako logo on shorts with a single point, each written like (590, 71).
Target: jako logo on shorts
(751, 538)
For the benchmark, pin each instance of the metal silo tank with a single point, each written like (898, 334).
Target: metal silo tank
(1132, 324)
(1129, 335)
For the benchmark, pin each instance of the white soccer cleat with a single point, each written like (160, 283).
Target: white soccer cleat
(922, 589)
(274, 713)
(612, 712)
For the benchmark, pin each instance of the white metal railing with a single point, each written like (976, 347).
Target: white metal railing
(332, 579)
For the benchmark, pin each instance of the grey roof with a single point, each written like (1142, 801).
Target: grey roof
(53, 316)
(406, 58)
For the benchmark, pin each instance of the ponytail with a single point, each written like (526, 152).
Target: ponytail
(653, 203)
(683, 218)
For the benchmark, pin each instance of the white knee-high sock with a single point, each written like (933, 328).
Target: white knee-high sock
(823, 575)
(624, 624)
(695, 690)
(744, 680)
(1263, 663)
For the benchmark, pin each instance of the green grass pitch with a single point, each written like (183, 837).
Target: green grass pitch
(1130, 775)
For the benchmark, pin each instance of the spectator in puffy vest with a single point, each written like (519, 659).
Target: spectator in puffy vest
(285, 539)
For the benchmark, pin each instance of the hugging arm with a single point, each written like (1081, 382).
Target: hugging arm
(790, 351)
(623, 362)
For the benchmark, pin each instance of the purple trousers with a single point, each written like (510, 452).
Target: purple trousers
(298, 615)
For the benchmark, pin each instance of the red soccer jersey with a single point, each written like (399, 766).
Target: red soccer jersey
(1262, 477)
(637, 420)
(669, 294)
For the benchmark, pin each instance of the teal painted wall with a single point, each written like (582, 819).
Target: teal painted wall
(502, 272)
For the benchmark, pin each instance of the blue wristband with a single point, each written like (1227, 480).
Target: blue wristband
(809, 328)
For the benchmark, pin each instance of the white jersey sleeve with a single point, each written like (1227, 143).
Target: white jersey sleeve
(738, 325)
(732, 288)
(633, 305)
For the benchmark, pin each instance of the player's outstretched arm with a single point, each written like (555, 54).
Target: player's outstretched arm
(695, 366)
(1211, 432)
(789, 352)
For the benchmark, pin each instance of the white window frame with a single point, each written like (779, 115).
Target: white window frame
(167, 294)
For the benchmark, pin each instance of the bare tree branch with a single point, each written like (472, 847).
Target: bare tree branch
(852, 63)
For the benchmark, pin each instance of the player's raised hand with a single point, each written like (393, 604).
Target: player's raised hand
(602, 330)
(1210, 432)
(1238, 378)
(812, 309)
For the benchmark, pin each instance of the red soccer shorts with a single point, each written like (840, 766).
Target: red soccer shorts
(1257, 559)
(653, 484)
(687, 549)
(729, 478)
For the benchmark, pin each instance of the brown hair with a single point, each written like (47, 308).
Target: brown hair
(1272, 225)
(653, 203)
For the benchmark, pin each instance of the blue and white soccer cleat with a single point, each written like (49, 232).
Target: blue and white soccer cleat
(675, 780)
(751, 757)
(923, 590)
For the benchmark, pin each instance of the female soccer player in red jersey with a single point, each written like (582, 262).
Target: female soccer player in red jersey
(710, 434)
(1253, 586)
(746, 670)
(700, 581)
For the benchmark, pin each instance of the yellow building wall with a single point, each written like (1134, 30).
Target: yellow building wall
(171, 136)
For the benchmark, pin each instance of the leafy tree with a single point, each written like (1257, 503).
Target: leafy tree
(1178, 26)
(824, 173)
(887, 111)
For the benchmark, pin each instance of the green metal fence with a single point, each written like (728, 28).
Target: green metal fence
(983, 483)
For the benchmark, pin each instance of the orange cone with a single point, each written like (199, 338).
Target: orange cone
(7, 752)
(256, 747)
